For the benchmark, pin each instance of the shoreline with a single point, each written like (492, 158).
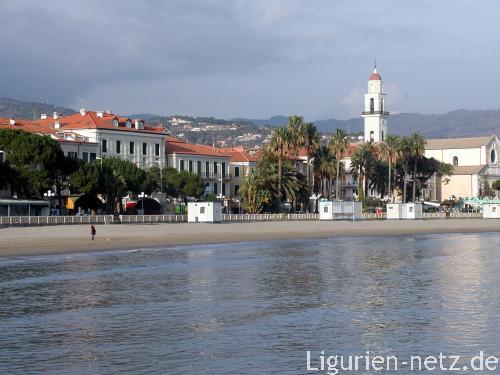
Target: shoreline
(67, 239)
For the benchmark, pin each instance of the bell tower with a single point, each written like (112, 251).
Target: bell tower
(375, 114)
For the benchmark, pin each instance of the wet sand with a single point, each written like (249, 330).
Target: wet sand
(20, 241)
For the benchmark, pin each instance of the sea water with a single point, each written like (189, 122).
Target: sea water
(250, 308)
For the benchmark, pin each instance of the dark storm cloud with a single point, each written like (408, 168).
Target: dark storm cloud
(252, 58)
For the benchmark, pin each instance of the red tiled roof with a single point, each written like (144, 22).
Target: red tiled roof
(239, 154)
(27, 126)
(175, 146)
(90, 120)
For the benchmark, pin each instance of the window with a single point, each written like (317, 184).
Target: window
(190, 166)
(215, 188)
(224, 189)
(455, 161)
(383, 136)
(236, 189)
(372, 135)
(85, 156)
(372, 105)
(157, 149)
(182, 165)
(202, 210)
(118, 147)
(144, 148)
(207, 168)
(2, 157)
(72, 155)
(215, 167)
(236, 171)
(493, 156)
(381, 104)
(223, 170)
(104, 145)
(198, 168)
(325, 209)
(131, 148)
(128, 124)
(93, 156)
(115, 123)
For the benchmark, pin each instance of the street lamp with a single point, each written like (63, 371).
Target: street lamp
(98, 158)
(142, 196)
(161, 174)
(49, 194)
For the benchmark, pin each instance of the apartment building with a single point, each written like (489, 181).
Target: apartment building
(210, 163)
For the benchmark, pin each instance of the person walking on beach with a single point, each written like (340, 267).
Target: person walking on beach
(92, 231)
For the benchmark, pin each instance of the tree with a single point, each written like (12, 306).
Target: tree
(252, 193)
(36, 160)
(486, 189)
(339, 146)
(112, 178)
(390, 152)
(496, 186)
(297, 133)
(324, 169)
(362, 163)
(406, 152)
(311, 144)
(417, 150)
(278, 146)
(191, 185)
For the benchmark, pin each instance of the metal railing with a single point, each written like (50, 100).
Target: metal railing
(268, 217)
(151, 219)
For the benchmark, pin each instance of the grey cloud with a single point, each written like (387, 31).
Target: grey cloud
(242, 57)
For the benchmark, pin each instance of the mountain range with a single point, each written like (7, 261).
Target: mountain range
(459, 123)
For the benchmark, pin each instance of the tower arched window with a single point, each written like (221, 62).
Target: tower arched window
(493, 156)
(372, 105)
(372, 136)
(383, 136)
(455, 161)
(381, 104)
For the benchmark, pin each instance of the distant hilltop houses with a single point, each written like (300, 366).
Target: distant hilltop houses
(90, 135)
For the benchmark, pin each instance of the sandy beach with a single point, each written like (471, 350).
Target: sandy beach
(20, 241)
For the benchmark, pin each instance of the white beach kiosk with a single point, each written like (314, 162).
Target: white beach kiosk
(405, 211)
(340, 210)
(491, 211)
(204, 212)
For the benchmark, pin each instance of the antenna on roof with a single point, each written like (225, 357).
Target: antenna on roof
(375, 64)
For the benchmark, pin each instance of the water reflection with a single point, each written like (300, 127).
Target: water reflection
(249, 308)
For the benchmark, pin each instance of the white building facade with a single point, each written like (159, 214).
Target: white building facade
(375, 114)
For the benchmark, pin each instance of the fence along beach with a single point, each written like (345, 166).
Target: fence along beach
(60, 239)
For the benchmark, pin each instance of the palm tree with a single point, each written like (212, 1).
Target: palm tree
(406, 153)
(252, 194)
(417, 143)
(339, 146)
(361, 163)
(311, 145)
(297, 133)
(324, 169)
(279, 145)
(390, 152)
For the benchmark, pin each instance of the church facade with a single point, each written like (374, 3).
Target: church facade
(475, 160)
(475, 164)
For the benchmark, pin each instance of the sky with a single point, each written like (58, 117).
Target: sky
(251, 58)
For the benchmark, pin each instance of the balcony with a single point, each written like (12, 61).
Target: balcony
(214, 176)
(383, 113)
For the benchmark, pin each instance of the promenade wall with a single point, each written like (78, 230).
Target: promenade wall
(6, 221)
